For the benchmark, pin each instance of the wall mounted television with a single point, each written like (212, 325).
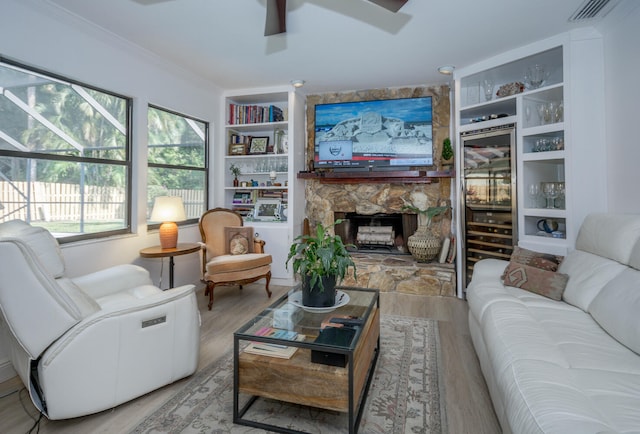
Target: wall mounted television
(390, 134)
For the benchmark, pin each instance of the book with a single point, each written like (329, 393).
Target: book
(274, 350)
(271, 332)
(444, 251)
(452, 250)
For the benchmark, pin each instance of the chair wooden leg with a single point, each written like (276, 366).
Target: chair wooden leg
(266, 287)
(210, 286)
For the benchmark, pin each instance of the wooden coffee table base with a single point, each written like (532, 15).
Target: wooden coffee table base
(298, 380)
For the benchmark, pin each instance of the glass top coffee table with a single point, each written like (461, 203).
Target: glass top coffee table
(323, 358)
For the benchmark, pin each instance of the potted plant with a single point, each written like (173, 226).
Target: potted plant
(320, 259)
(447, 150)
(423, 244)
(235, 170)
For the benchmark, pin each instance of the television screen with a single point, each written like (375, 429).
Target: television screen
(393, 133)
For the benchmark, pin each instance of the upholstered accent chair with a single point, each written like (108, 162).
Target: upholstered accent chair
(86, 344)
(230, 253)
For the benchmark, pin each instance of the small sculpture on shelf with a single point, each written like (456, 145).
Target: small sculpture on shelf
(235, 170)
(447, 153)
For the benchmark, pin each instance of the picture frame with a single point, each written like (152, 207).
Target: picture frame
(267, 209)
(258, 145)
(237, 149)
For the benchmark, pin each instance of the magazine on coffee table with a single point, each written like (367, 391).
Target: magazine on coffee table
(273, 350)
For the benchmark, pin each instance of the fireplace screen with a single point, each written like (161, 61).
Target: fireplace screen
(377, 233)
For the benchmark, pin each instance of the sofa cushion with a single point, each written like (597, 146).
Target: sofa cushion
(540, 260)
(555, 369)
(612, 236)
(634, 260)
(540, 281)
(237, 263)
(43, 245)
(588, 274)
(617, 308)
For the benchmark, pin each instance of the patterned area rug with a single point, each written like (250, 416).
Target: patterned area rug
(405, 393)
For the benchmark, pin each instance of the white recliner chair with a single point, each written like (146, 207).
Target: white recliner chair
(90, 343)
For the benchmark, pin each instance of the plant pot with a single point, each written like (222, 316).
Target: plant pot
(316, 297)
(423, 245)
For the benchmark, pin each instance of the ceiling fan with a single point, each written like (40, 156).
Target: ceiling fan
(276, 21)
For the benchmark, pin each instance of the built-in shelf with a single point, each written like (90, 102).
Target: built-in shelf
(403, 176)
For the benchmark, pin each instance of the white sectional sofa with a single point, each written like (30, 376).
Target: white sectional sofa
(568, 366)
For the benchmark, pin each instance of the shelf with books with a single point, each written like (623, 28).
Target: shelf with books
(242, 114)
(259, 141)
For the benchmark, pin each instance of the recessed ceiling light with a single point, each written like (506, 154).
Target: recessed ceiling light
(446, 69)
(297, 83)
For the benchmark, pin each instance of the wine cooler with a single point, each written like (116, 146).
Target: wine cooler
(488, 194)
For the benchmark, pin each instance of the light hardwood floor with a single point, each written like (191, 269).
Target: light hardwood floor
(468, 407)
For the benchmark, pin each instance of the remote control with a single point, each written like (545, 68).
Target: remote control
(346, 321)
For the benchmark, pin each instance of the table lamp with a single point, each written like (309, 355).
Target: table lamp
(168, 210)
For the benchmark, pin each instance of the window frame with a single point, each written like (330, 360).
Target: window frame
(127, 163)
(205, 168)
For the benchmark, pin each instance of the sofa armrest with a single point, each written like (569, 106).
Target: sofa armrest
(130, 347)
(488, 270)
(112, 280)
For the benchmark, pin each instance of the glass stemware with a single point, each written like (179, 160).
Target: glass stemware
(487, 85)
(550, 192)
(535, 76)
(541, 109)
(534, 193)
(559, 202)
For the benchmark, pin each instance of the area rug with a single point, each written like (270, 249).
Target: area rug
(405, 394)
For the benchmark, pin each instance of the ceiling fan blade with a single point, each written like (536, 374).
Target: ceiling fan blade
(276, 21)
(390, 5)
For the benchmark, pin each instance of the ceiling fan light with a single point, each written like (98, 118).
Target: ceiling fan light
(297, 83)
(446, 69)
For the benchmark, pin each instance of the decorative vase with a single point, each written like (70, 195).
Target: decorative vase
(316, 297)
(423, 244)
(235, 182)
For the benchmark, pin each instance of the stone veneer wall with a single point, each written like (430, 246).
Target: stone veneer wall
(388, 273)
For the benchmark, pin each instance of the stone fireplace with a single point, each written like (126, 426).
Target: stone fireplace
(379, 267)
(382, 205)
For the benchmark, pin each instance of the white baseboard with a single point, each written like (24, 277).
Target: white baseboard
(6, 370)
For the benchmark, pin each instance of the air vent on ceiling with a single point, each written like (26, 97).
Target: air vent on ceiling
(592, 9)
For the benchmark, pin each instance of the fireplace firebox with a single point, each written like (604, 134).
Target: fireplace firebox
(376, 233)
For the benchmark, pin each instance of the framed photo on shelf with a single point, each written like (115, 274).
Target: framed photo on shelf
(258, 145)
(267, 209)
(237, 149)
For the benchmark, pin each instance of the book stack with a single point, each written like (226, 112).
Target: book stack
(254, 114)
(272, 194)
(235, 138)
(242, 197)
(274, 350)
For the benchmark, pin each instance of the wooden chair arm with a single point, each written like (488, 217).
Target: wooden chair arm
(258, 245)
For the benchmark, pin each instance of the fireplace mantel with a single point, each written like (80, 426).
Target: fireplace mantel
(400, 176)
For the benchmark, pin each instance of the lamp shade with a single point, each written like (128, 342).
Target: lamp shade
(168, 210)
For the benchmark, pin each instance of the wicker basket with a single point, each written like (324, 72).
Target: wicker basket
(423, 245)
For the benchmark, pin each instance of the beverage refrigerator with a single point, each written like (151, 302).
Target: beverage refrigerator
(489, 196)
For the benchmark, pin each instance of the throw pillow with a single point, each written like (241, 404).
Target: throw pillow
(543, 261)
(239, 240)
(542, 282)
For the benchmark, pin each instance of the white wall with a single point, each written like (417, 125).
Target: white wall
(622, 87)
(36, 34)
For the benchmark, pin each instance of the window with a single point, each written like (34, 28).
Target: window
(178, 160)
(64, 154)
